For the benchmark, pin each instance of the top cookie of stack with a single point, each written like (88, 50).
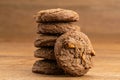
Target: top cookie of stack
(56, 21)
(56, 15)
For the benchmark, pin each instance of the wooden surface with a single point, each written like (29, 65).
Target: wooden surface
(99, 19)
(16, 60)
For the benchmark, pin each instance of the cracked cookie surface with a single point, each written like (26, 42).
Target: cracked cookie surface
(73, 52)
(56, 28)
(56, 15)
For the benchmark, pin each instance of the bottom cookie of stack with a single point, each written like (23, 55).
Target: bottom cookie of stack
(47, 67)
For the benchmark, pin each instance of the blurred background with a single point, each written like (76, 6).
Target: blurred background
(99, 19)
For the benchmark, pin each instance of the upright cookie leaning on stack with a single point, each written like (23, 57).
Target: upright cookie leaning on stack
(73, 52)
(52, 23)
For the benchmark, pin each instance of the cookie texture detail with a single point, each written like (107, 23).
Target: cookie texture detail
(56, 15)
(73, 52)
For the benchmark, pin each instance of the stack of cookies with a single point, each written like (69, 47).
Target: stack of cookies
(64, 49)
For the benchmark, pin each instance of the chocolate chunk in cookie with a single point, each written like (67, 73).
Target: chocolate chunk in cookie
(73, 52)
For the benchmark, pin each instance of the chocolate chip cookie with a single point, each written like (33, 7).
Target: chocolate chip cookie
(56, 15)
(45, 52)
(56, 28)
(47, 67)
(45, 40)
(73, 52)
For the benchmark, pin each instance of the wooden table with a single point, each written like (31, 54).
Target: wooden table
(16, 60)
(100, 19)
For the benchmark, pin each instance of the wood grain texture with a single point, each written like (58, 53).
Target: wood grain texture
(99, 19)
(16, 62)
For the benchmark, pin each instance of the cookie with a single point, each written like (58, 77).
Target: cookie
(47, 67)
(46, 53)
(73, 52)
(56, 15)
(45, 40)
(56, 28)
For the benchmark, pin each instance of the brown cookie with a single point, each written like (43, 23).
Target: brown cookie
(73, 52)
(45, 52)
(56, 15)
(45, 40)
(47, 67)
(56, 28)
